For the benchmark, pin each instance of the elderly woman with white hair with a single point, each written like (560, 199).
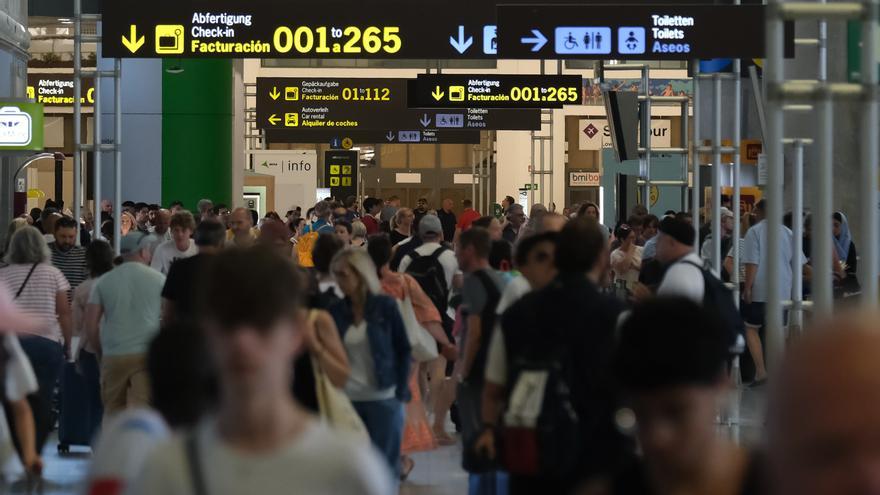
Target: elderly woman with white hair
(40, 290)
(378, 351)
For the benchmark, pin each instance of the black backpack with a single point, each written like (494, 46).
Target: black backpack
(429, 273)
(719, 297)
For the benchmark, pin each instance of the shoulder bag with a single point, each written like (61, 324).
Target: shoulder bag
(424, 347)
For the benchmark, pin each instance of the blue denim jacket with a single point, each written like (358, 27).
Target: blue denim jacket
(389, 343)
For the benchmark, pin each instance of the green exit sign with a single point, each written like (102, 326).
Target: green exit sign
(531, 187)
(854, 50)
(21, 126)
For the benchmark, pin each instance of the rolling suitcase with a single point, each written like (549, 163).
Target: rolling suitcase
(75, 424)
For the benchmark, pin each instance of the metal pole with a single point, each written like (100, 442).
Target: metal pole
(482, 185)
(552, 152)
(775, 74)
(823, 295)
(543, 155)
(646, 123)
(685, 132)
(489, 171)
(737, 176)
(869, 175)
(96, 174)
(797, 225)
(474, 175)
(695, 156)
(716, 179)
(77, 118)
(117, 172)
(532, 171)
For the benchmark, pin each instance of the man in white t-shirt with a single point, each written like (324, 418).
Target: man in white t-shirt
(754, 257)
(431, 232)
(675, 247)
(260, 440)
(181, 244)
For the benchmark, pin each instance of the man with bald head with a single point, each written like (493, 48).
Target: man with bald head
(241, 232)
(824, 419)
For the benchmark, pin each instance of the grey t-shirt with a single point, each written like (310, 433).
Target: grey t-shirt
(473, 293)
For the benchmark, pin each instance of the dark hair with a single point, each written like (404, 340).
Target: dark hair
(255, 218)
(174, 203)
(65, 223)
(325, 248)
(369, 203)
(272, 215)
(344, 223)
(349, 201)
(621, 232)
(635, 221)
(379, 249)
(834, 216)
(478, 238)
(499, 252)
(236, 291)
(210, 233)
(579, 245)
(669, 342)
(483, 222)
(528, 244)
(761, 205)
(669, 213)
(153, 207)
(510, 199)
(586, 206)
(788, 217)
(128, 204)
(99, 258)
(140, 206)
(182, 389)
(467, 203)
(651, 221)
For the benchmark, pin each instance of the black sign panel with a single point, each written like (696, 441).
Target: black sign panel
(431, 29)
(344, 104)
(412, 136)
(341, 173)
(639, 32)
(56, 89)
(494, 91)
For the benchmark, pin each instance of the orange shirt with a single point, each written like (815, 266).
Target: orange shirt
(467, 218)
(392, 285)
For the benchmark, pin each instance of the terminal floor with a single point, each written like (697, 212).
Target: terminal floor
(436, 473)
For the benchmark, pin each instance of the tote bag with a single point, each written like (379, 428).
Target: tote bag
(424, 347)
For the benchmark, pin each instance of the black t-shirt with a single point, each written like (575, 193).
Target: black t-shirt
(181, 283)
(634, 479)
(448, 222)
(396, 237)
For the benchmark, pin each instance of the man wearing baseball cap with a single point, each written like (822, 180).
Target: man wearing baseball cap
(129, 299)
(675, 248)
(17, 381)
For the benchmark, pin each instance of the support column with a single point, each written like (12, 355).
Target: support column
(196, 130)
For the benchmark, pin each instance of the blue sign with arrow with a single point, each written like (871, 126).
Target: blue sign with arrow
(461, 44)
(538, 40)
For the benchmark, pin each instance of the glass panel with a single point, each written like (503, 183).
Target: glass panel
(455, 155)
(422, 155)
(392, 156)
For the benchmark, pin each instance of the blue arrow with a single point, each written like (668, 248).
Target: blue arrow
(461, 44)
(425, 120)
(389, 136)
(538, 41)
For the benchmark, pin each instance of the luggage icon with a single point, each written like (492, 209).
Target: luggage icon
(15, 127)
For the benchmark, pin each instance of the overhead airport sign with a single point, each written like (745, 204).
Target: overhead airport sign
(412, 136)
(342, 104)
(655, 32)
(56, 89)
(430, 29)
(21, 126)
(494, 91)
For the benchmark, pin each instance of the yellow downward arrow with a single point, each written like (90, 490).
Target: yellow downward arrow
(275, 93)
(437, 94)
(273, 119)
(133, 43)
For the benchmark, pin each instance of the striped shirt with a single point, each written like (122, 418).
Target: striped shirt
(72, 264)
(39, 295)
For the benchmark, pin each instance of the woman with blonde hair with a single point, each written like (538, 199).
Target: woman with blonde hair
(127, 223)
(401, 225)
(14, 226)
(378, 351)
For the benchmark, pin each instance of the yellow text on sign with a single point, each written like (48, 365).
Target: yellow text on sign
(351, 39)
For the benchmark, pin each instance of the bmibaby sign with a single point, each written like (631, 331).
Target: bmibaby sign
(596, 134)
